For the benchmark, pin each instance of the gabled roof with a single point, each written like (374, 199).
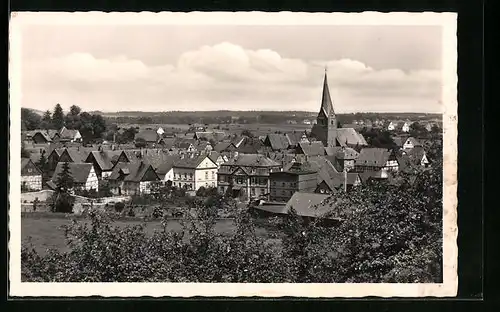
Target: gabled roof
(77, 155)
(27, 161)
(252, 160)
(213, 155)
(313, 148)
(277, 141)
(191, 162)
(210, 135)
(154, 157)
(350, 136)
(415, 154)
(309, 204)
(79, 171)
(224, 146)
(132, 172)
(166, 165)
(68, 133)
(250, 145)
(413, 141)
(105, 159)
(295, 137)
(346, 153)
(374, 157)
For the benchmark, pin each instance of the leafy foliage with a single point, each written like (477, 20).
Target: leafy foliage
(388, 232)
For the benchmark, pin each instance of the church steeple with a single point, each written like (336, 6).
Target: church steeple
(326, 100)
(326, 126)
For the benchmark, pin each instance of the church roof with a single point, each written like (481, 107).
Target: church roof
(326, 100)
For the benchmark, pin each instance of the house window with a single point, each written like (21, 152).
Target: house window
(252, 191)
(274, 183)
(283, 184)
(206, 175)
(213, 175)
(191, 176)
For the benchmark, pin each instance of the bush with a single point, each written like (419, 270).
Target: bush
(119, 207)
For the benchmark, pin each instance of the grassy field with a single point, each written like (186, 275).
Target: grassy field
(47, 232)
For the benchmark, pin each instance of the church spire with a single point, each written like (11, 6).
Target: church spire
(326, 101)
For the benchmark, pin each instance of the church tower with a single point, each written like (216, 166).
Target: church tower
(325, 129)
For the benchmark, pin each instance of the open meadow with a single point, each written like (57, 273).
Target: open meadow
(46, 232)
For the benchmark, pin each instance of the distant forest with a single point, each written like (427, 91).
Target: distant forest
(249, 117)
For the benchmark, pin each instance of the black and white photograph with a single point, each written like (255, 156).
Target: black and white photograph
(233, 154)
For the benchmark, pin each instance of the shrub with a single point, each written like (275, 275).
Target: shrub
(119, 206)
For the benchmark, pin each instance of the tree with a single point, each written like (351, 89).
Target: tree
(247, 133)
(64, 181)
(30, 119)
(46, 122)
(62, 199)
(74, 110)
(42, 164)
(58, 117)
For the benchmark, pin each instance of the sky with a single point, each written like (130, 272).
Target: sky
(241, 67)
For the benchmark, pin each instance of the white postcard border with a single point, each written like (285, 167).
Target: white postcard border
(449, 99)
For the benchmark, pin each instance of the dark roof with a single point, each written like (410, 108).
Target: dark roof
(79, 171)
(211, 135)
(299, 168)
(277, 141)
(154, 157)
(132, 172)
(166, 165)
(252, 160)
(346, 153)
(25, 162)
(250, 145)
(313, 148)
(399, 141)
(415, 154)
(294, 138)
(147, 135)
(190, 162)
(105, 159)
(223, 146)
(78, 155)
(375, 157)
(213, 155)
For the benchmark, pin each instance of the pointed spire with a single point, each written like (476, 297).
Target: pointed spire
(326, 101)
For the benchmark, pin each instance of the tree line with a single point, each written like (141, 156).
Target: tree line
(91, 126)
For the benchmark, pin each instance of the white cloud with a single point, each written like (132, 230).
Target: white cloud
(223, 76)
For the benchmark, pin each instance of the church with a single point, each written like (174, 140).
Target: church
(327, 129)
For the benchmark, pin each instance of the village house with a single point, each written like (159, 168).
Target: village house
(194, 171)
(416, 156)
(160, 131)
(315, 148)
(72, 155)
(69, 135)
(391, 126)
(217, 158)
(133, 178)
(31, 176)
(406, 126)
(297, 178)
(309, 206)
(165, 170)
(344, 181)
(53, 159)
(247, 176)
(379, 160)
(342, 157)
(294, 138)
(215, 136)
(410, 143)
(103, 162)
(83, 174)
(149, 136)
(277, 142)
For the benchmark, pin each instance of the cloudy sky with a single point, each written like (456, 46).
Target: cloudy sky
(196, 67)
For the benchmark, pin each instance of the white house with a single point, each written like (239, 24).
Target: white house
(391, 126)
(160, 131)
(31, 176)
(406, 127)
(70, 135)
(193, 172)
(83, 174)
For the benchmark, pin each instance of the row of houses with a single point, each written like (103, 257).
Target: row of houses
(41, 136)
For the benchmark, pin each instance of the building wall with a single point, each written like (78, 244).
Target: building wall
(284, 185)
(408, 145)
(145, 187)
(206, 174)
(169, 176)
(32, 182)
(184, 177)
(92, 181)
